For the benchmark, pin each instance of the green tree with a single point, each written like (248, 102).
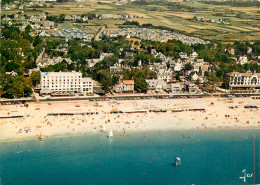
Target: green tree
(35, 78)
(141, 85)
(103, 76)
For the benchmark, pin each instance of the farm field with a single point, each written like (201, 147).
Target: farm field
(241, 23)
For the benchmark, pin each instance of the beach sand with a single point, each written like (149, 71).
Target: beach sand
(215, 116)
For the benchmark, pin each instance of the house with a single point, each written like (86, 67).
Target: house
(175, 88)
(183, 55)
(114, 69)
(154, 84)
(231, 51)
(12, 73)
(191, 88)
(197, 63)
(42, 34)
(165, 74)
(92, 62)
(249, 50)
(104, 55)
(193, 76)
(203, 69)
(178, 67)
(9, 23)
(124, 85)
(51, 23)
(194, 55)
(43, 16)
(242, 60)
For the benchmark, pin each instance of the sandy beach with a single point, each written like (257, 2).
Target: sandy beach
(217, 115)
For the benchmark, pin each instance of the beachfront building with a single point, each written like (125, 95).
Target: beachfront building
(124, 85)
(192, 88)
(165, 74)
(65, 82)
(154, 84)
(246, 80)
(176, 88)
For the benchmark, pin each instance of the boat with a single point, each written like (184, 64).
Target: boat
(177, 161)
(110, 134)
(40, 137)
(103, 129)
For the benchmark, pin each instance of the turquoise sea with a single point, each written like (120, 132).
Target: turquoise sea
(208, 157)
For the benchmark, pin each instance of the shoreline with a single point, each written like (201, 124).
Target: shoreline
(129, 133)
(217, 114)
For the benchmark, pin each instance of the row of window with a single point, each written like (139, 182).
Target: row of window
(65, 82)
(245, 83)
(46, 77)
(62, 85)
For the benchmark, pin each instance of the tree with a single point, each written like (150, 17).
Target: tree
(103, 76)
(37, 40)
(15, 35)
(35, 78)
(62, 17)
(188, 66)
(141, 85)
(28, 28)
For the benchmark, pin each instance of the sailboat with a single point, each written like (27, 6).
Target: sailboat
(40, 137)
(110, 134)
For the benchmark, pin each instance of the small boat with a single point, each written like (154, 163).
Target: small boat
(40, 137)
(177, 161)
(104, 130)
(110, 134)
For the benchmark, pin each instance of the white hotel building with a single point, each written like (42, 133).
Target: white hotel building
(65, 82)
(244, 80)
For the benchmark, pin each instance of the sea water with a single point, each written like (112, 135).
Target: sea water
(147, 158)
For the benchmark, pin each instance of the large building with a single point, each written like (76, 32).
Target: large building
(244, 80)
(65, 82)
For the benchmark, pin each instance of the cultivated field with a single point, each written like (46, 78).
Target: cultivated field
(241, 23)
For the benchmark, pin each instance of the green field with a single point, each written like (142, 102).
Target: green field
(243, 23)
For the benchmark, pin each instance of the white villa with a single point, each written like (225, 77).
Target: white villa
(154, 84)
(124, 85)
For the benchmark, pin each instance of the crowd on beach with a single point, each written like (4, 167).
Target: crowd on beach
(84, 116)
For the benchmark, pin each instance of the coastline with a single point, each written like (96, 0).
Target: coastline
(217, 115)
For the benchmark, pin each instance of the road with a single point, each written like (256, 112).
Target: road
(98, 33)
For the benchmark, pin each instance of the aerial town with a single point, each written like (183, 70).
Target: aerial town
(129, 92)
(54, 60)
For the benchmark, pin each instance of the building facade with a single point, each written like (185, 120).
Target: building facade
(244, 80)
(65, 82)
(154, 84)
(176, 88)
(124, 85)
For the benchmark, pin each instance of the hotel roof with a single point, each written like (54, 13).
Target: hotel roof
(247, 74)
